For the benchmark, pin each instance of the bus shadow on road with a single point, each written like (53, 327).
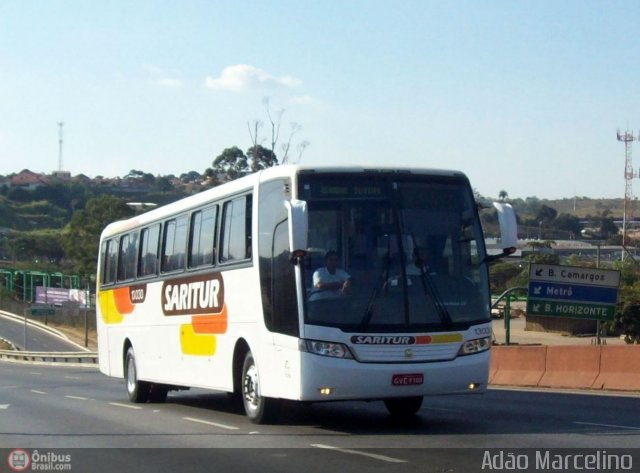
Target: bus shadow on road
(498, 412)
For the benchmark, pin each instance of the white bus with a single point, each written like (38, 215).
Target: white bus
(219, 290)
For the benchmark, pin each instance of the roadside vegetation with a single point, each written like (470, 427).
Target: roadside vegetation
(56, 228)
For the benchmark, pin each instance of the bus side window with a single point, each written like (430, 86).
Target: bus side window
(148, 258)
(110, 263)
(127, 256)
(202, 243)
(235, 244)
(174, 244)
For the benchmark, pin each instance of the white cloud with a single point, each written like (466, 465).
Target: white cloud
(245, 77)
(159, 78)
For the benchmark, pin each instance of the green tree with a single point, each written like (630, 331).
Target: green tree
(608, 228)
(162, 184)
(230, 164)
(546, 215)
(628, 314)
(568, 223)
(40, 247)
(81, 237)
(261, 158)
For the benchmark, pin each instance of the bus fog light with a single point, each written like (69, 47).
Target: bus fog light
(473, 386)
(325, 391)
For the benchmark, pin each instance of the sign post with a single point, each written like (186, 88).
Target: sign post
(572, 292)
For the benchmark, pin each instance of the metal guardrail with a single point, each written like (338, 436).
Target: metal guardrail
(47, 356)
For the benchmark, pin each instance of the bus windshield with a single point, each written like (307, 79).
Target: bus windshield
(410, 247)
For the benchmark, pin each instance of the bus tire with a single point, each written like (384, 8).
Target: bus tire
(259, 409)
(137, 390)
(403, 406)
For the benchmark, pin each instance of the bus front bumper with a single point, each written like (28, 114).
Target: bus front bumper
(330, 379)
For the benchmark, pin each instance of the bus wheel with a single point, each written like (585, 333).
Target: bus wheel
(403, 406)
(138, 391)
(260, 410)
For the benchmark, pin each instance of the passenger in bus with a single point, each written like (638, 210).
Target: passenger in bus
(419, 263)
(330, 282)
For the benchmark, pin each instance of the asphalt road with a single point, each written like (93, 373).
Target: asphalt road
(37, 339)
(44, 408)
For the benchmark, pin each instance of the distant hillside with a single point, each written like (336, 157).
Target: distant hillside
(582, 207)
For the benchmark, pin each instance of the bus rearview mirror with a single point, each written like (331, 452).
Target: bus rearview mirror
(508, 226)
(298, 225)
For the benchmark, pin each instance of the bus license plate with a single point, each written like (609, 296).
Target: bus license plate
(407, 379)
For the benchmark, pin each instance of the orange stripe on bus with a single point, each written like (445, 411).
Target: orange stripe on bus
(210, 323)
(122, 300)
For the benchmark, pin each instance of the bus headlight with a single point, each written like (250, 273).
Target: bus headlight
(332, 349)
(475, 346)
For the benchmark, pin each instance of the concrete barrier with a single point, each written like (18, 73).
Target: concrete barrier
(571, 367)
(619, 368)
(577, 367)
(518, 366)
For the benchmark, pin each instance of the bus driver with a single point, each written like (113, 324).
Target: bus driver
(330, 282)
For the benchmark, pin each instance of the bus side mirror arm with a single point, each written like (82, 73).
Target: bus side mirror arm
(505, 252)
(298, 228)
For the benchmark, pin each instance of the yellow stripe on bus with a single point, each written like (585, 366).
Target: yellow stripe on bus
(198, 344)
(446, 338)
(108, 310)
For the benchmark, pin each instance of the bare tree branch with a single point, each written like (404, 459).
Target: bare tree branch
(275, 124)
(301, 147)
(295, 128)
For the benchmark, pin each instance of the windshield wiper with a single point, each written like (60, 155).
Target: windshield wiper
(380, 285)
(430, 289)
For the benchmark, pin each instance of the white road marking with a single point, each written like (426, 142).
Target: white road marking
(37, 392)
(357, 452)
(72, 377)
(608, 425)
(35, 372)
(4, 406)
(79, 398)
(214, 424)
(128, 406)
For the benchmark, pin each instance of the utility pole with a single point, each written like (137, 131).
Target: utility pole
(627, 138)
(60, 126)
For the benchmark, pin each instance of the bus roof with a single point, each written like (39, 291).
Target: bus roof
(249, 181)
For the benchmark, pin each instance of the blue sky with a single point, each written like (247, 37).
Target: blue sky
(524, 96)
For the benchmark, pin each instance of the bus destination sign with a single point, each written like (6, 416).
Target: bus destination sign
(573, 292)
(346, 190)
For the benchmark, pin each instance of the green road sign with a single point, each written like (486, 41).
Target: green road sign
(574, 292)
(571, 309)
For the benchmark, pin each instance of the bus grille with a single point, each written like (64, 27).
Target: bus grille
(405, 353)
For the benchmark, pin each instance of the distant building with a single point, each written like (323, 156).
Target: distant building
(62, 175)
(28, 180)
(83, 179)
